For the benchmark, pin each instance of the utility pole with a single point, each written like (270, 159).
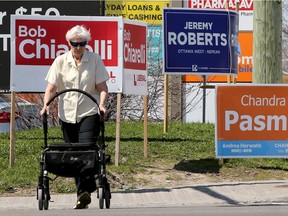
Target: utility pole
(267, 42)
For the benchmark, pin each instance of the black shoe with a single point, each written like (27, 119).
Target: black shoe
(83, 201)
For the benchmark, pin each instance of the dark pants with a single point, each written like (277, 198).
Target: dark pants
(87, 130)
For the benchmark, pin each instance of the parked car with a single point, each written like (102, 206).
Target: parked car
(26, 114)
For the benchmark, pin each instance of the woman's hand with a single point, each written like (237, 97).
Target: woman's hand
(49, 92)
(103, 109)
(45, 109)
(103, 91)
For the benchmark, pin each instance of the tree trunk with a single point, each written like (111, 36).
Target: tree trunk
(267, 42)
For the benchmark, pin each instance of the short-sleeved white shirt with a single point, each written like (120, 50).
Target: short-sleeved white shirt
(64, 73)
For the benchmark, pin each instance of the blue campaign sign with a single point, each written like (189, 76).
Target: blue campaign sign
(200, 41)
(154, 48)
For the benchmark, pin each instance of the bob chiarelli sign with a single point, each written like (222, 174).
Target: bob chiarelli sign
(251, 121)
(135, 61)
(200, 41)
(37, 41)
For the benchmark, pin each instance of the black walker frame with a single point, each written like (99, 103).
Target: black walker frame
(98, 162)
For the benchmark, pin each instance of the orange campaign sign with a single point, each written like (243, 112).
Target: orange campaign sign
(251, 121)
(245, 63)
(245, 57)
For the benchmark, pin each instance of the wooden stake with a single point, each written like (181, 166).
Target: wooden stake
(12, 130)
(118, 120)
(165, 128)
(145, 126)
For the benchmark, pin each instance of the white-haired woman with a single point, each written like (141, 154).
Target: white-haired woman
(78, 115)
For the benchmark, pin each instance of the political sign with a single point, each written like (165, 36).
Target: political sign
(200, 41)
(154, 48)
(135, 60)
(37, 40)
(251, 121)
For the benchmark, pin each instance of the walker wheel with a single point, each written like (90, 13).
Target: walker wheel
(101, 197)
(46, 201)
(107, 199)
(40, 198)
(46, 195)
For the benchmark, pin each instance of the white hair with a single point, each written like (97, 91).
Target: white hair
(78, 30)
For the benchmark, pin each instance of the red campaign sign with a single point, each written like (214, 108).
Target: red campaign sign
(221, 4)
(134, 47)
(39, 42)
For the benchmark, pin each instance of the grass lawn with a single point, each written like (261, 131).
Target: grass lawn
(188, 147)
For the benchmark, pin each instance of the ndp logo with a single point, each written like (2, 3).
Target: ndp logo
(40, 44)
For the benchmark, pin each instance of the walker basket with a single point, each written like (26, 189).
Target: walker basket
(71, 163)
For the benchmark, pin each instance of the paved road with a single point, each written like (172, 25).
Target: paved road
(234, 194)
(262, 210)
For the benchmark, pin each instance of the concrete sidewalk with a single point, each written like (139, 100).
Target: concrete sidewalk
(236, 193)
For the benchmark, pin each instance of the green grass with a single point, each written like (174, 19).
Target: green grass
(186, 147)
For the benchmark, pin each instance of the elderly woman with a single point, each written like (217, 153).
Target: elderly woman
(78, 115)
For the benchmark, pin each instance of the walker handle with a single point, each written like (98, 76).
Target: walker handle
(68, 90)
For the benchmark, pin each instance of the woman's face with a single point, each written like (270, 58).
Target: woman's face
(77, 45)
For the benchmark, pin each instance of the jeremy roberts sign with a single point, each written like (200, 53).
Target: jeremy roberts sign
(200, 41)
